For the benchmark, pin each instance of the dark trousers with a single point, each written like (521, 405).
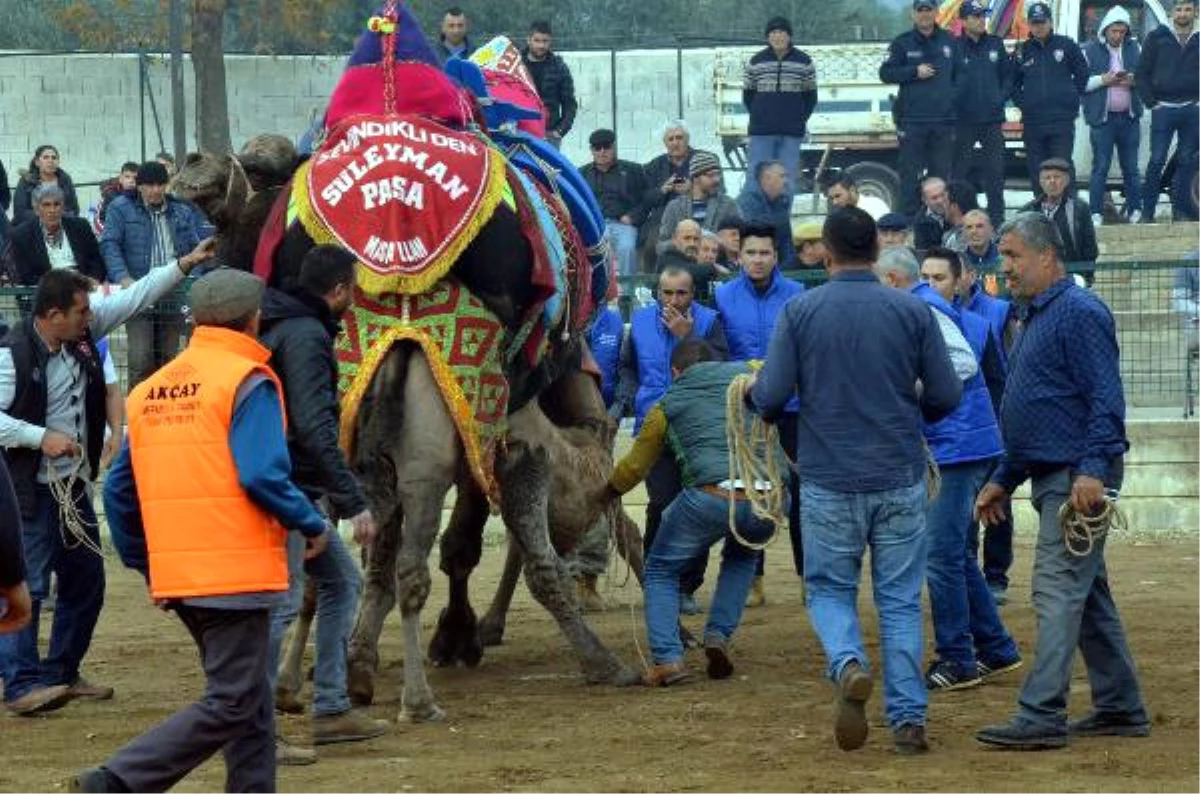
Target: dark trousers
(925, 150)
(235, 715)
(1165, 124)
(662, 486)
(787, 439)
(1043, 141)
(80, 573)
(990, 162)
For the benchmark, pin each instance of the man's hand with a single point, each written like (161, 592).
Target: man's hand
(925, 71)
(600, 497)
(314, 547)
(625, 219)
(201, 253)
(19, 610)
(678, 323)
(126, 282)
(748, 383)
(1087, 495)
(989, 505)
(1108, 78)
(111, 447)
(364, 528)
(58, 445)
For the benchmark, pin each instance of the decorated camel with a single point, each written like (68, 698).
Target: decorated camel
(462, 363)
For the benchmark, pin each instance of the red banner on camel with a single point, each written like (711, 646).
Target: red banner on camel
(404, 194)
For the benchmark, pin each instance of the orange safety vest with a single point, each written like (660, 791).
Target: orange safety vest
(204, 535)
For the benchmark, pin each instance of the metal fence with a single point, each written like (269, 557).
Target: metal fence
(1157, 341)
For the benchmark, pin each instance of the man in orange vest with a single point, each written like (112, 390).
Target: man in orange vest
(198, 500)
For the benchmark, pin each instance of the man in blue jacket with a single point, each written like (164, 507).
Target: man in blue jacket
(748, 307)
(922, 63)
(1168, 81)
(767, 200)
(144, 230)
(780, 92)
(985, 82)
(1051, 76)
(1111, 109)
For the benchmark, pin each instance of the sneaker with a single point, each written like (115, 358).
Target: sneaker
(910, 740)
(1100, 723)
(757, 597)
(349, 726)
(1097, 219)
(288, 754)
(850, 718)
(82, 689)
(990, 669)
(947, 676)
(40, 699)
(688, 605)
(668, 674)
(1135, 216)
(716, 648)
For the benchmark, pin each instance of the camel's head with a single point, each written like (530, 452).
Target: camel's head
(268, 160)
(215, 184)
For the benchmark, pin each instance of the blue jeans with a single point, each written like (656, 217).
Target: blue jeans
(965, 621)
(1074, 608)
(80, 573)
(1165, 123)
(1124, 132)
(693, 522)
(784, 148)
(838, 528)
(624, 242)
(339, 584)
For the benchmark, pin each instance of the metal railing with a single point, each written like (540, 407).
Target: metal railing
(1153, 335)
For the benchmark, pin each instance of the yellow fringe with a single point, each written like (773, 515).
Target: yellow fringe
(479, 460)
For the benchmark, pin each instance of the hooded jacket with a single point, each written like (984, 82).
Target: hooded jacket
(299, 331)
(1098, 55)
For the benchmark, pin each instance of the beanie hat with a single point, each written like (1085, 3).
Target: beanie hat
(703, 162)
(778, 23)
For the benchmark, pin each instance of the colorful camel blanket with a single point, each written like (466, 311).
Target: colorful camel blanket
(464, 344)
(404, 194)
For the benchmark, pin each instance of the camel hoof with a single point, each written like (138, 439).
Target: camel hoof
(430, 713)
(288, 701)
(627, 677)
(491, 633)
(456, 640)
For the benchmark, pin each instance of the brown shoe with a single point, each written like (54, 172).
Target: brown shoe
(40, 699)
(666, 675)
(716, 648)
(850, 720)
(589, 598)
(83, 689)
(288, 754)
(349, 726)
(756, 597)
(910, 740)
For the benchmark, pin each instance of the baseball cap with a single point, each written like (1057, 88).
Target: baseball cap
(1038, 12)
(152, 173)
(892, 222)
(973, 8)
(920, 4)
(602, 138)
(803, 232)
(225, 295)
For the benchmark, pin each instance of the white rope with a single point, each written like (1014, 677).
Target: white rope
(752, 459)
(71, 523)
(1082, 532)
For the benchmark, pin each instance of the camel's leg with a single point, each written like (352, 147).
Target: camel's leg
(628, 539)
(525, 478)
(379, 594)
(457, 636)
(290, 680)
(491, 627)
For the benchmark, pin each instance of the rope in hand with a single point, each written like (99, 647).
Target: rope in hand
(71, 523)
(752, 459)
(1082, 532)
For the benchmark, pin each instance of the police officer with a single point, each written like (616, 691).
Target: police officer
(1050, 79)
(922, 63)
(984, 85)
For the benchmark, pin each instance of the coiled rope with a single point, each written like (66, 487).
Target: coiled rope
(753, 460)
(71, 523)
(1082, 532)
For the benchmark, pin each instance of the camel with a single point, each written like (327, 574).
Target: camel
(408, 453)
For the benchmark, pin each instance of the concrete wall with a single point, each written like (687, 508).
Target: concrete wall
(88, 105)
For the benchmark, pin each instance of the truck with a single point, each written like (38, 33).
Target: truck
(852, 130)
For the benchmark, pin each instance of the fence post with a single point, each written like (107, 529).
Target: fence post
(141, 65)
(612, 82)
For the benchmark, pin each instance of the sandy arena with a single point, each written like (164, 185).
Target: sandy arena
(524, 720)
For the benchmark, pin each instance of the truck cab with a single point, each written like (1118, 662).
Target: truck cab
(852, 129)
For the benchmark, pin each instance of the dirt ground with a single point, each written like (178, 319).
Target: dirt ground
(525, 721)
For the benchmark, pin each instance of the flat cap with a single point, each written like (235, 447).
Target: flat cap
(225, 295)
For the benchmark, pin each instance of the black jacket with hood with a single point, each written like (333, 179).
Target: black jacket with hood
(299, 331)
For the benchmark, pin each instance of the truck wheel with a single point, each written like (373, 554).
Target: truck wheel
(876, 179)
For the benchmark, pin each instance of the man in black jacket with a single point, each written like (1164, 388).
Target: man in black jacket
(985, 82)
(922, 63)
(1168, 81)
(1070, 215)
(667, 176)
(299, 328)
(51, 241)
(780, 91)
(553, 82)
(620, 188)
(1050, 79)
